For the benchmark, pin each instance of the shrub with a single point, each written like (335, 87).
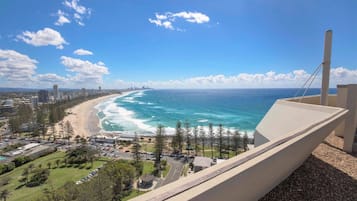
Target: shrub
(39, 177)
(21, 160)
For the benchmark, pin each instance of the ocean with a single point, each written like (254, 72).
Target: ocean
(141, 111)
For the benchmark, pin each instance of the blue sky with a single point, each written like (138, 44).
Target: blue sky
(173, 44)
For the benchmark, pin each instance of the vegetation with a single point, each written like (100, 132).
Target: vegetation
(137, 163)
(159, 147)
(114, 182)
(80, 155)
(57, 177)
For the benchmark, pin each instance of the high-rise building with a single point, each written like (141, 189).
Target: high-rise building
(55, 92)
(43, 96)
(100, 89)
(83, 92)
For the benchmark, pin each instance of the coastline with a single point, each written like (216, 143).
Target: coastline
(83, 117)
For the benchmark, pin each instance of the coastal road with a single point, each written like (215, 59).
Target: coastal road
(174, 173)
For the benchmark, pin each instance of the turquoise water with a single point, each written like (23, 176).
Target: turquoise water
(142, 111)
(2, 158)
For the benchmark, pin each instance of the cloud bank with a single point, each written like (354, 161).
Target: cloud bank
(271, 79)
(17, 69)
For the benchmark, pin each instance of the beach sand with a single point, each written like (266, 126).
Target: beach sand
(83, 117)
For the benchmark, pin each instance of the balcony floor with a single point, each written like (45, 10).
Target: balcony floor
(328, 174)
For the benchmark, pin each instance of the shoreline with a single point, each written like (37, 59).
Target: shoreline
(83, 117)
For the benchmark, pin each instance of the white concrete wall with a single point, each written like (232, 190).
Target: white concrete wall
(251, 175)
(286, 116)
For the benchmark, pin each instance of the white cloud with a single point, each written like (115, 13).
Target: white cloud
(194, 17)
(62, 19)
(79, 11)
(15, 66)
(82, 52)
(51, 78)
(85, 71)
(166, 20)
(44, 37)
(75, 6)
(270, 79)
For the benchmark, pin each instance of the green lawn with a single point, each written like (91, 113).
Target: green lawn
(58, 177)
(148, 167)
(148, 147)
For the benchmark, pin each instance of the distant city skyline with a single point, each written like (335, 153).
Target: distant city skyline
(176, 44)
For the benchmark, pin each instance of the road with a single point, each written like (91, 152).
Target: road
(174, 172)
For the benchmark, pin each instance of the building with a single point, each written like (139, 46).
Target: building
(100, 89)
(284, 139)
(200, 163)
(34, 101)
(7, 107)
(55, 92)
(43, 96)
(83, 92)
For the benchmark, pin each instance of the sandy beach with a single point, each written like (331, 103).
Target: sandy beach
(83, 117)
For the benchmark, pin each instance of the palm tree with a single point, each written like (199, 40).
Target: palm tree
(4, 194)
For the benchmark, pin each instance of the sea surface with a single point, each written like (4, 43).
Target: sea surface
(141, 111)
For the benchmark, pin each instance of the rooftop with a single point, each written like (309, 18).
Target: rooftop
(328, 174)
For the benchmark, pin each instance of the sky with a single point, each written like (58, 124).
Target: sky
(174, 43)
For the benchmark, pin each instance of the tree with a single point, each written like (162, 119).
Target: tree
(58, 162)
(236, 141)
(188, 137)
(69, 130)
(25, 174)
(4, 194)
(137, 163)
(245, 141)
(78, 139)
(179, 137)
(39, 177)
(159, 146)
(121, 174)
(228, 146)
(220, 139)
(211, 137)
(80, 155)
(195, 139)
(203, 139)
(49, 164)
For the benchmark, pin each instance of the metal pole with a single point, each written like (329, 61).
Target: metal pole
(326, 68)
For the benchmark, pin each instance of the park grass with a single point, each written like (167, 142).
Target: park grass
(133, 194)
(148, 147)
(57, 178)
(148, 167)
